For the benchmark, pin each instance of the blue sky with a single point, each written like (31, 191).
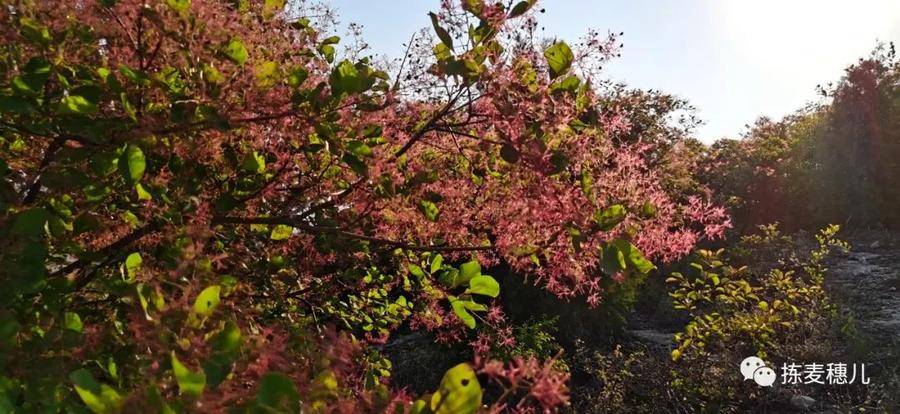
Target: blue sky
(733, 59)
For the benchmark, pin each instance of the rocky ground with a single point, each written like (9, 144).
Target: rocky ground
(866, 282)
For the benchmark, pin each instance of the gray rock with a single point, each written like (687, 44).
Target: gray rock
(802, 402)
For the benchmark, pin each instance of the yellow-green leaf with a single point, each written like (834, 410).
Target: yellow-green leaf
(281, 232)
(459, 392)
(180, 6)
(484, 285)
(189, 382)
(132, 163)
(267, 74)
(207, 301)
(559, 58)
(235, 51)
(99, 398)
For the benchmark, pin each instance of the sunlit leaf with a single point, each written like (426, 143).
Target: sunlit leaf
(133, 264)
(254, 162)
(633, 256)
(281, 232)
(267, 74)
(484, 285)
(189, 382)
(72, 322)
(429, 209)
(132, 163)
(459, 392)
(559, 58)
(467, 271)
(610, 217)
(179, 5)
(345, 78)
(99, 398)
(207, 301)
(459, 308)
(76, 104)
(235, 51)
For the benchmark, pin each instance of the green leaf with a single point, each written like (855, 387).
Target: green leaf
(277, 394)
(521, 8)
(156, 403)
(416, 271)
(147, 296)
(228, 340)
(34, 31)
(355, 163)
(484, 285)
(327, 52)
(297, 76)
(676, 354)
(180, 6)
(613, 260)
(474, 306)
(132, 163)
(189, 382)
(99, 398)
(559, 58)
(429, 209)
(254, 163)
(441, 32)
(134, 76)
(15, 105)
(345, 78)
(568, 84)
(76, 105)
(30, 223)
(301, 23)
(633, 256)
(459, 392)
(34, 75)
(271, 7)
(212, 75)
(133, 264)
(267, 74)
(360, 149)
(225, 346)
(459, 308)
(235, 51)
(72, 322)
(281, 232)
(207, 301)
(442, 52)
(473, 6)
(648, 210)
(610, 217)
(142, 193)
(436, 263)
(467, 271)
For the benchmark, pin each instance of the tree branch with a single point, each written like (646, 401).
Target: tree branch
(108, 250)
(310, 229)
(429, 125)
(33, 189)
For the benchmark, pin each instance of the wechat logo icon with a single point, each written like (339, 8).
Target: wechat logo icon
(755, 369)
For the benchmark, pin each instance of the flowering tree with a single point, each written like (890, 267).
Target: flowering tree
(204, 207)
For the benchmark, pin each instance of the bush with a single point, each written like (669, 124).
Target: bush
(782, 314)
